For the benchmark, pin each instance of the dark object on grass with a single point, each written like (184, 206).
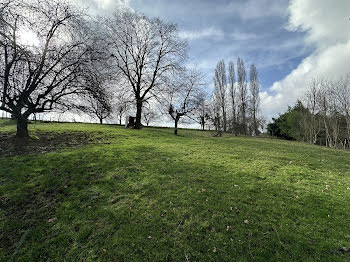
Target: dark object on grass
(130, 123)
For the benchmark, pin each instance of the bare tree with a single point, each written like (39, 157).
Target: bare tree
(310, 122)
(343, 97)
(184, 95)
(38, 74)
(98, 97)
(326, 104)
(145, 51)
(202, 112)
(214, 116)
(220, 85)
(233, 94)
(98, 105)
(323, 105)
(323, 116)
(334, 119)
(242, 93)
(254, 98)
(149, 114)
(122, 102)
(326, 93)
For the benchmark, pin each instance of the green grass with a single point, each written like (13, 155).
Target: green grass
(147, 195)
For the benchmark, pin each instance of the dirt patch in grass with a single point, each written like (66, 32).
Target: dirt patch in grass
(44, 142)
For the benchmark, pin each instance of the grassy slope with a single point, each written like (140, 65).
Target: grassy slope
(152, 196)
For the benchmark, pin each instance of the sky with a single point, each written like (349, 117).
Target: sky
(290, 42)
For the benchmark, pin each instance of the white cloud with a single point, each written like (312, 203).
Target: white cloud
(212, 32)
(327, 22)
(208, 32)
(328, 31)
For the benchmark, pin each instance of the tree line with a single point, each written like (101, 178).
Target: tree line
(110, 65)
(321, 117)
(235, 103)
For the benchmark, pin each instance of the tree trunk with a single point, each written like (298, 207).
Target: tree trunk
(120, 120)
(256, 128)
(244, 122)
(176, 121)
(202, 122)
(217, 121)
(101, 121)
(234, 122)
(138, 124)
(22, 127)
(224, 118)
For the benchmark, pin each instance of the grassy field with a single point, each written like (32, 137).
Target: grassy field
(103, 193)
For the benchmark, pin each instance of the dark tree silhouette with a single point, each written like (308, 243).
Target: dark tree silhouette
(254, 87)
(145, 50)
(36, 76)
(220, 83)
(184, 95)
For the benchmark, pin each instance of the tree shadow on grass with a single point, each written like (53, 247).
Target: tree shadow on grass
(43, 142)
(143, 204)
